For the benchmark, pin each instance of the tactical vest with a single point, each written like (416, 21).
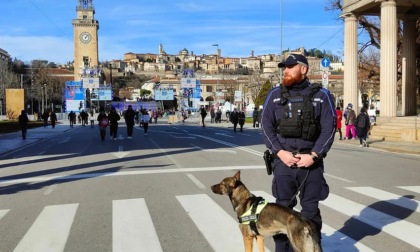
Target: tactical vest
(298, 116)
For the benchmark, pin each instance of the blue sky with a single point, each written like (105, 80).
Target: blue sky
(42, 29)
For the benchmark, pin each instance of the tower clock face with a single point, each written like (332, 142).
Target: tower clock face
(85, 37)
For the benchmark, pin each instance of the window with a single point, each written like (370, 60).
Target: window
(209, 88)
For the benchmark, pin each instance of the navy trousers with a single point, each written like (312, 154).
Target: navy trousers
(286, 182)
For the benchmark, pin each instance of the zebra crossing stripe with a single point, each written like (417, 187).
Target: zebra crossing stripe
(332, 240)
(398, 228)
(3, 213)
(395, 199)
(50, 230)
(415, 189)
(132, 227)
(220, 229)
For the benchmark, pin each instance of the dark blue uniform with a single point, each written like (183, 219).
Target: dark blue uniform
(287, 180)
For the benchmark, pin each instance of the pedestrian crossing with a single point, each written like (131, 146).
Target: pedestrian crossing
(133, 226)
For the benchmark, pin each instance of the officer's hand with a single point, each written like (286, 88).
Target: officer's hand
(287, 158)
(305, 160)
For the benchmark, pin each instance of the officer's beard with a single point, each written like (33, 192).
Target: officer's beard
(289, 81)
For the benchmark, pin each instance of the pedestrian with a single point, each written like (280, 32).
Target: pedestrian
(362, 124)
(255, 118)
(23, 122)
(92, 119)
(339, 114)
(212, 115)
(145, 118)
(298, 143)
(53, 118)
(45, 116)
(350, 119)
(203, 114)
(113, 117)
(72, 118)
(183, 116)
(103, 123)
(234, 118)
(84, 117)
(241, 120)
(129, 121)
(218, 116)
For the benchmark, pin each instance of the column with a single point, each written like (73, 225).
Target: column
(350, 60)
(388, 79)
(409, 68)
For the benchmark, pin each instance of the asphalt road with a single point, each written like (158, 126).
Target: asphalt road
(73, 192)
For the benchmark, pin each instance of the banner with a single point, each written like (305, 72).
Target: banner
(188, 82)
(90, 82)
(164, 95)
(75, 98)
(238, 96)
(101, 94)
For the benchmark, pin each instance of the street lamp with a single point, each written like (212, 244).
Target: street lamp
(46, 97)
(217, 65)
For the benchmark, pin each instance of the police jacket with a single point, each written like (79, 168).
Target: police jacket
(324, 111)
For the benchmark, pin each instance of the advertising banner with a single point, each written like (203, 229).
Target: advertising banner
(75, 98)
(90, 82)
(164, 95)
(238, 96)
(101, 94)
(188, 82)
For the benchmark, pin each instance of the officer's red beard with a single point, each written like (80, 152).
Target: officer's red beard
(289, 80)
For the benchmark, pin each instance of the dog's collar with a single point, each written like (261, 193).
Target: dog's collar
(252, 214)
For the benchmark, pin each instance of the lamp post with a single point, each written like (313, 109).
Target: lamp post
(46, 97)
(217, 65)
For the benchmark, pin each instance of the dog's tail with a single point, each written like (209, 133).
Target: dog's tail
(304, 236)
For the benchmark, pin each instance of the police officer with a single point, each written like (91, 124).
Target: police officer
(298, 126)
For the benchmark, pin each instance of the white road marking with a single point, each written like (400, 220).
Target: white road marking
(120, 153)
(332, 240)
(415, 189)
(214, 150)
(50, 189)
(196, 181)
(165, 153)
(338, 178)
(129, 173)
(50, 230)
(391, 198)
(132, 227)
(220, 229)
(221, 134)
(3, 213)
(398, 228)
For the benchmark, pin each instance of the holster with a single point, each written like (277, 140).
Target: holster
(268, 159)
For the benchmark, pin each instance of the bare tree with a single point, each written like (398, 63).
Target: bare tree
(8, 79)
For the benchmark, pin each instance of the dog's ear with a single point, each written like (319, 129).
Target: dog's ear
(238, 175)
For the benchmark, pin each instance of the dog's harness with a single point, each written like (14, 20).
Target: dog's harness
(250, 217)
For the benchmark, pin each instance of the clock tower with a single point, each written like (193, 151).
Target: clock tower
(85, 38)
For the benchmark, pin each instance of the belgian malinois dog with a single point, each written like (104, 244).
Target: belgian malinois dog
(273, 219)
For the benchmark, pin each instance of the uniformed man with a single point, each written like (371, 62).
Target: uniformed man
(298, 126)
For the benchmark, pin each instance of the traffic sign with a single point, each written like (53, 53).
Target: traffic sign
(325, 62)
(325, 79)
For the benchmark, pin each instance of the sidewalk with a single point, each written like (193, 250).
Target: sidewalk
(12, 141)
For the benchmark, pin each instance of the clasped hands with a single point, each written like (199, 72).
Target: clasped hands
(299, 160)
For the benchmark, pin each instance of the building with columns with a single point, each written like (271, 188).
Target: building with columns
(389, 11)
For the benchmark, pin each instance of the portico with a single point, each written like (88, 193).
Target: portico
(388, 10)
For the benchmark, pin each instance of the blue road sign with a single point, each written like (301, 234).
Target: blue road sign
(325, 62)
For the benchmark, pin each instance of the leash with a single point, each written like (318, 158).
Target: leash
(293, 199)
